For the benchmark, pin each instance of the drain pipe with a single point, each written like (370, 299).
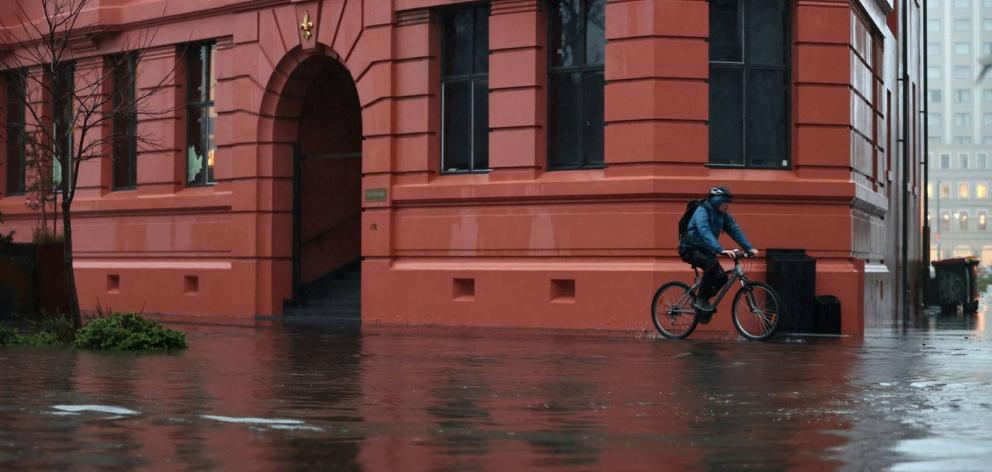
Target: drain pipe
(925, 160)
(907, 114)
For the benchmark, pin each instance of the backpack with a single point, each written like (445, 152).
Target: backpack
(690, 209)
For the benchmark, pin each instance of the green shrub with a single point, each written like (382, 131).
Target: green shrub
(13, 337)
(128, 332)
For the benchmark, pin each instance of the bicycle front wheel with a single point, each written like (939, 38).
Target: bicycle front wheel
(672, 311)
(757, 310)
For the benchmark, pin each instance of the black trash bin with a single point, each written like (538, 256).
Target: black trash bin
(957, 283)
(793, 276)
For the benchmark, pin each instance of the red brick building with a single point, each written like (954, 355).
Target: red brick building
(492, 163)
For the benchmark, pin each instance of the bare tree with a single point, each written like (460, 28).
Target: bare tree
(69, 120)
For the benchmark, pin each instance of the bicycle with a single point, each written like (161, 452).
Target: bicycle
(756, 319)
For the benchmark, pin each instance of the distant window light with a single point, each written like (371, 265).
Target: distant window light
(963, 191)
(981, 191)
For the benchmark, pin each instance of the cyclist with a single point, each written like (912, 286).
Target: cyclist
(701, 245)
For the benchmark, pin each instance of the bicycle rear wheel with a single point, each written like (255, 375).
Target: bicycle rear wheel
(756, 311)
(672, 311)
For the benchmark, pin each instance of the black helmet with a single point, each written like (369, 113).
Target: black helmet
(721, 190)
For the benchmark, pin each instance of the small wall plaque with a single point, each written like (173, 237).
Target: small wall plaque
(375, 194)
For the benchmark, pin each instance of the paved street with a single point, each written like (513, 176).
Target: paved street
(907, 398)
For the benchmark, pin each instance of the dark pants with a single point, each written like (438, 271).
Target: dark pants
(713, 275)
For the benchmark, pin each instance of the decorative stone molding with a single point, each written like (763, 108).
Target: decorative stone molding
(418, 16)
(502, 7)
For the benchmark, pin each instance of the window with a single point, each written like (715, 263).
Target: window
(936, 119)
(962, 95)
(962, 25)
(987, 24)
(64, 89)
(749, 69)
(15, 89)
(962, 49)
(929, 194)
(935, 49)
(963, 220)
(575, 84)
(962, 72)
(987, 47)
(983, 221)
(982, 161)
(945, 161)
(962, 161)
(962, 140)
(987, 119)
(962, 3)
(200, 113)
(933, 26)
(945, 191)
(945, 221)
(982, 191)
(936, 95)
(125, 124)
(963, 191)
(962, 119)
(987, 95)
(465, 88)
(934, 72)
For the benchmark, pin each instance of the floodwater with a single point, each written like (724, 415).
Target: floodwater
(284, 398)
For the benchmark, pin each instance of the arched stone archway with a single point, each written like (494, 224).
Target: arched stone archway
(312, 128)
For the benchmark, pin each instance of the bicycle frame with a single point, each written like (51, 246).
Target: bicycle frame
(737, 274)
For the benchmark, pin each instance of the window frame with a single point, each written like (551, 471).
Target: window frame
(470, 78)
(10, 78)
(582, 69)
(745, 68)
(198, 106)
(128, 60)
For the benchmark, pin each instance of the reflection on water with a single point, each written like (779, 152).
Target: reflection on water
(413, 399)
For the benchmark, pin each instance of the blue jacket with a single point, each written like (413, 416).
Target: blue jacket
(705, 227)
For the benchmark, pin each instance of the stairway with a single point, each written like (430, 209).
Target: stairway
(334, 299)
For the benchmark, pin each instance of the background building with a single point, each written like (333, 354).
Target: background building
(960, 128)
(499, 163)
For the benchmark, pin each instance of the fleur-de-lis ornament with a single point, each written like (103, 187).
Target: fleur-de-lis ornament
(306, 25)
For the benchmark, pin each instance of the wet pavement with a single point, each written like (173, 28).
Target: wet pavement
(276, 398)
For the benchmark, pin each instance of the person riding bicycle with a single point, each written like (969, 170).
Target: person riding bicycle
(701, 246)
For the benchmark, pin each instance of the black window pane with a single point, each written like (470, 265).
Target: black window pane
(565, 123)
(210, 117)
(766, 32)
(592, 126)
(566, 30)
(195, 152)
(595, 32)
(725, 35)
(458, 41)
(457, 130)
(14, 135)
(194, 69)
(767, 123)
(726, 115)
(481, 35)
(480, 144)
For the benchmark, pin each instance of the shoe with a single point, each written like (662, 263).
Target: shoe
(703, 304)
(703, 317)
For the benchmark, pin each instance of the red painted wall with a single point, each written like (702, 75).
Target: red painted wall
(512, 230)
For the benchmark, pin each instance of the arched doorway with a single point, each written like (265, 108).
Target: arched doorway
(321, 104)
